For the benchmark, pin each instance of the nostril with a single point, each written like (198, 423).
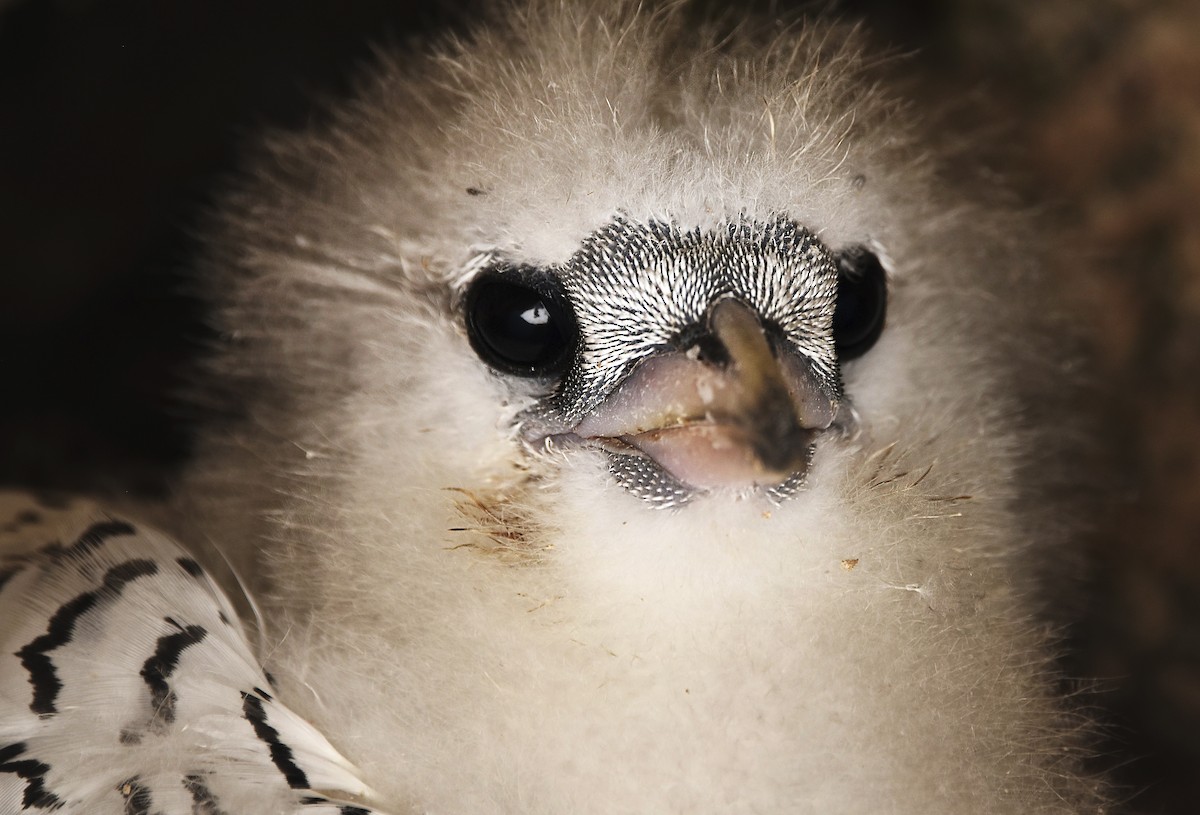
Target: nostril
(701, 344)
(709, 348)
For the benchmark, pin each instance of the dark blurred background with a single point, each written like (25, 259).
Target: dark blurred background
(119, 119)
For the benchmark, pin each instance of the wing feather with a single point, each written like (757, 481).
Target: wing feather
(128, 685)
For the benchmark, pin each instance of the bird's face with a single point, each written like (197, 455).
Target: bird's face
(699, 361)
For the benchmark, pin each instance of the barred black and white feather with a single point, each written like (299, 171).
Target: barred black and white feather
(128, 686)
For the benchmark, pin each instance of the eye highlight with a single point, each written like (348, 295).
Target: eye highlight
(861, 309)
(520, 322)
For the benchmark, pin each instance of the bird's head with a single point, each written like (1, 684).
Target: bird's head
(698, 360)
(578, 269)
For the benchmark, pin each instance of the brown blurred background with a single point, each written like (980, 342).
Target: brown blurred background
(118, 119)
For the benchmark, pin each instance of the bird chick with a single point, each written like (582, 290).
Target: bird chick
(636, 422)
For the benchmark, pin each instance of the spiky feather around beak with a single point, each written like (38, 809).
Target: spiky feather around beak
(726, 412)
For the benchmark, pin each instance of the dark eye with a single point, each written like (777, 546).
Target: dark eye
(861, 302)
(519, 321)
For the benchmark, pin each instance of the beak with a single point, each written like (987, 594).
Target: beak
(726, 412)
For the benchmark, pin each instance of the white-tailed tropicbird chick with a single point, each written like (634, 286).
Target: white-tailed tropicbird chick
(635, 424)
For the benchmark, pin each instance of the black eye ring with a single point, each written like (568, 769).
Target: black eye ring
(520, 321)
(861, 309)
